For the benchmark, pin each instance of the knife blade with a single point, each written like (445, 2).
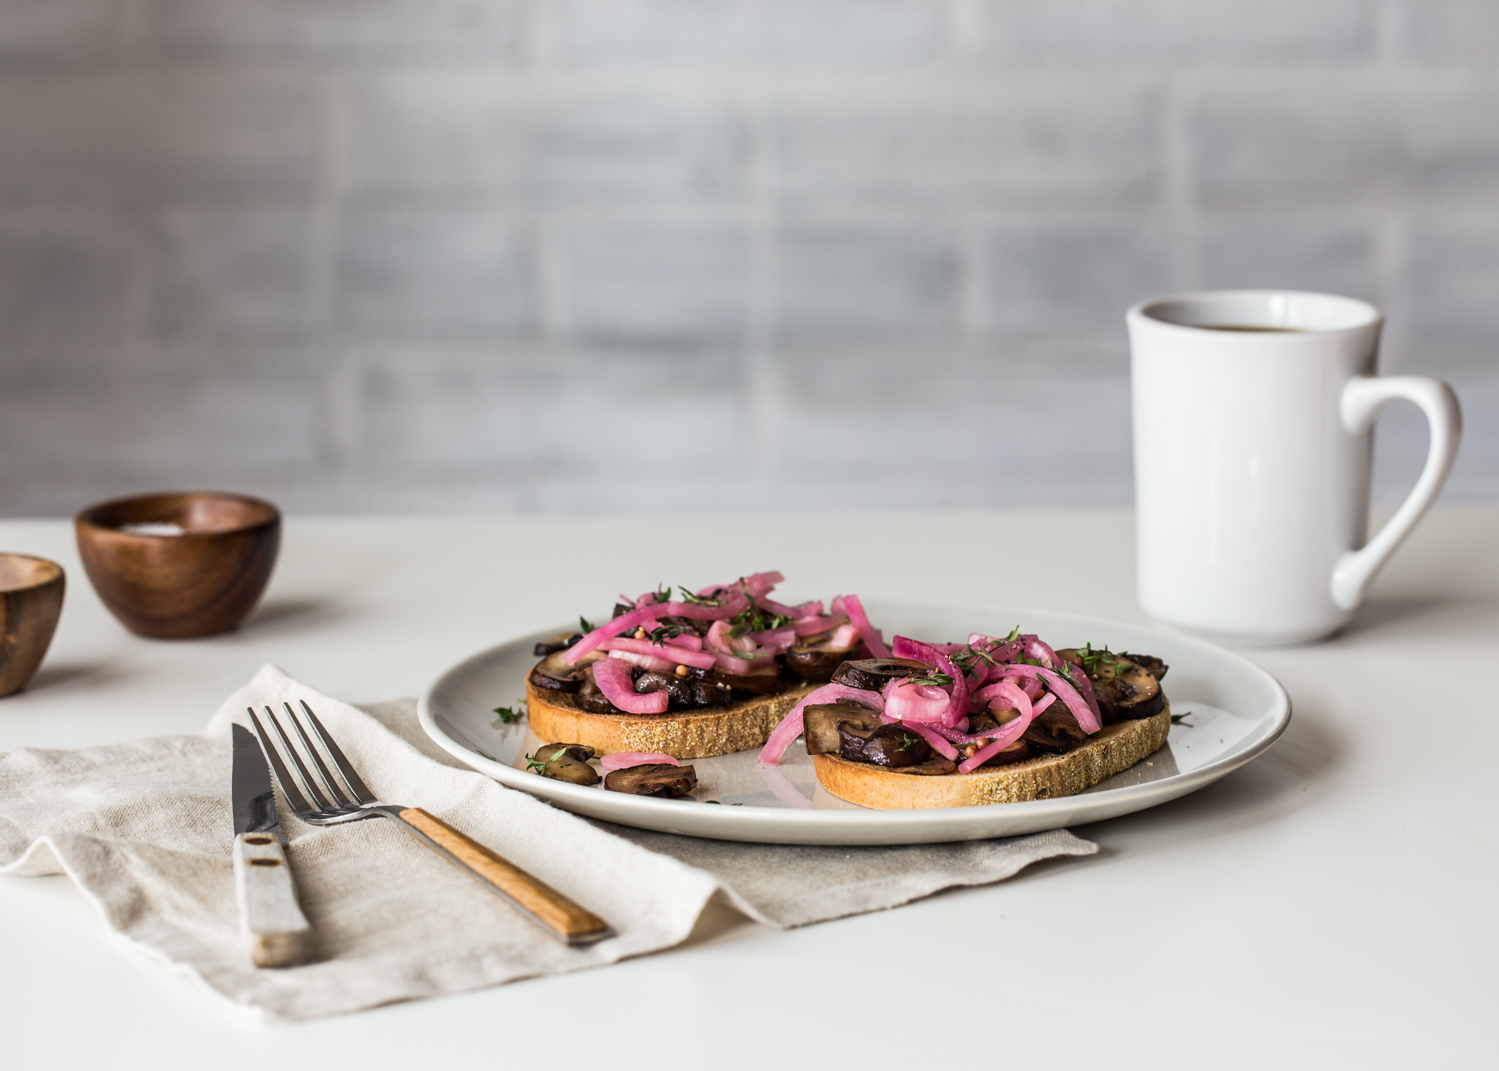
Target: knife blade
(271, 923)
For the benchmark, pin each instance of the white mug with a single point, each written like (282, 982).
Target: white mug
(1253, 414)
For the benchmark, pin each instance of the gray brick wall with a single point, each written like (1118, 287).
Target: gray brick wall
(514, 254)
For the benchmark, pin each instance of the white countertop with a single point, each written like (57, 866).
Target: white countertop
(1330, 902)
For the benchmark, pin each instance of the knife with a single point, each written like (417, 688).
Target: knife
(271, 923)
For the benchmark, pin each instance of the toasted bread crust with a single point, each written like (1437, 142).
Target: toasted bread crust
(1114, 748)
(743, 724)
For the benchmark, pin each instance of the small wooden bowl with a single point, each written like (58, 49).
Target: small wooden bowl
(31, 591)
(175, 586)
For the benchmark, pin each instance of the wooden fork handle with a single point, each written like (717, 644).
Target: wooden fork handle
(570, 921)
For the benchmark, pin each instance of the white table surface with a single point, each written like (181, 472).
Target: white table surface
(1332, 902)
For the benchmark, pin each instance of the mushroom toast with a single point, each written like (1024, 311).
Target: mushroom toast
(987, 721)
(704, 674)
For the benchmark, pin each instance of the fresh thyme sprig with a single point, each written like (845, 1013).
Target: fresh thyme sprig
(660, 635)
(1092, 660)
(510, 715)
(701, 600)
(935, 677)
(534, 763)
(754, 619)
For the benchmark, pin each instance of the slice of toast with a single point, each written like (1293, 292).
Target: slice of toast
(1112, 749)
(683, 734)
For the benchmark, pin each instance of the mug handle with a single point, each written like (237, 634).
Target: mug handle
(1363, 397)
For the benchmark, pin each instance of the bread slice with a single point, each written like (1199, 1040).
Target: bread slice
(1112, 749)
(683, 734)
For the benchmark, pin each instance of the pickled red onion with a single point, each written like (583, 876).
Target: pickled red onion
(645, 661)
(815, 623)
(1087, 721)
(791, 725)
(659, 652)
(957, 707)
(1007, 733)
(621, 760)
(850, 605)
(629, 621)
(939, 745)
(613, 678)
(913, 703)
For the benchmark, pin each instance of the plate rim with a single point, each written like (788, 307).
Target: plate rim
(862, 823)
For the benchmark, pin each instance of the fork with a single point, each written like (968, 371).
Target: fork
(334, 802)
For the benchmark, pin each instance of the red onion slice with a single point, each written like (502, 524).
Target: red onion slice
(791, 725)
(613, 678)
(659, 652)
(1087, 721)
(650, 662)
(844, 636)
(781, 637)
(621, 760)
(815, 623)
(1007, 733)
(630, 621)
(957, 707)
(913, 703)
(927, 733)
(759, 585)
(850, 605)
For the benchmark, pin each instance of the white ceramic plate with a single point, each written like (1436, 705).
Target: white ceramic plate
(1233, 712)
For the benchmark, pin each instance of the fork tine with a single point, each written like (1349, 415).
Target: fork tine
(291, 751)
(345, 767)
(288, 786)
(329, 781)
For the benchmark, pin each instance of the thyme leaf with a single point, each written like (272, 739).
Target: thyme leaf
(660, 635)
(535, 764)
(754, 619)
(510, 715)
(584, 624)
(935, 677)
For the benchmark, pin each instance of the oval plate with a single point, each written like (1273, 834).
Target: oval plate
(1228, 712)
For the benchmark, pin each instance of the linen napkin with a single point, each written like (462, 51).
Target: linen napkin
(144, 830)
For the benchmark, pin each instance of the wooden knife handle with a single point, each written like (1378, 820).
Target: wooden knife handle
(271, 923)
(573, 923)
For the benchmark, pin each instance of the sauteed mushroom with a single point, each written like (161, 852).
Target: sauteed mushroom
(1124, 688)
(555, 675)
(889, 745)
(1054, 732)
(591, 698)
(1019, 751)
(815, 658)
(565, 762)
(822, 721)
(560, 642)
(1149, 663)
(872, 674)
(653, 779)
(679, 689)
(934, 765)
(764, 681)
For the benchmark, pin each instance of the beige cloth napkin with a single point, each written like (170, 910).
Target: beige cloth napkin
(144, 830)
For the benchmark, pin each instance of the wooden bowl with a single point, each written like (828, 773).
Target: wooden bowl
(175, 566)
(31, 591)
